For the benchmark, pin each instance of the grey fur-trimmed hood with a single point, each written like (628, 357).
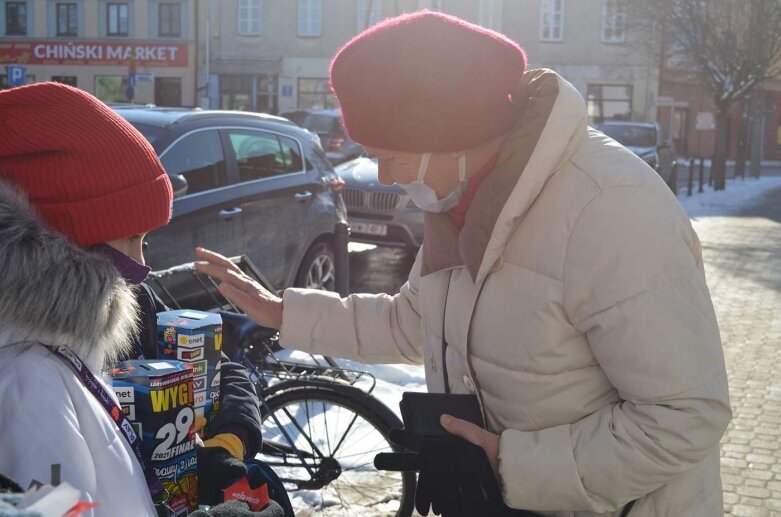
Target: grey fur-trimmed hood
(54, 292)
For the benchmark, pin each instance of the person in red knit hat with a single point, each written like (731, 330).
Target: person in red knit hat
(559, 282)
(79, 189)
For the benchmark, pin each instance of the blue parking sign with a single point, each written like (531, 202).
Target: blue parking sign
(16, 75)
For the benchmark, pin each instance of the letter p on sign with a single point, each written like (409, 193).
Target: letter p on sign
(16, 75)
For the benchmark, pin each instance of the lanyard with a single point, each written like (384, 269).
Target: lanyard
(102, 395)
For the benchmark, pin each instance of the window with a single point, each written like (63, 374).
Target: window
(551, 20)
(117, 19)
(29, 79)
(491, 14)
(111, 88)
(249, 17)
(67, 20)
(309, 17)
(70, 80)
(16, 18)
(609, 102)
(198, 159)
(369, 13)
(435, 5)
(262, 155)
(315, 94)
(613, 21)
(169, 19)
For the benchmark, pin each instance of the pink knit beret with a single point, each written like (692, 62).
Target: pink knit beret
(427, 81)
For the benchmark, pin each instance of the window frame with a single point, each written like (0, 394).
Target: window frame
(491, 15)
(375, 15)
(309, 7)
(325, 93)
(248, 31)
(169, 33)
(602, 99)
(71, 8)
(17, 3)
(544, 8)
(613, 20)
(118, 6)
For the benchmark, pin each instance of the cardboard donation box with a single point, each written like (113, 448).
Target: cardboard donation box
(157, 397)
(195, 338)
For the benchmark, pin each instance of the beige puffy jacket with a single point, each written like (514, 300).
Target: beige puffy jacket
(575, 305)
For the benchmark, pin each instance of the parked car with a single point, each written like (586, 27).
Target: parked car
(244, 183)
(327, 124)
(378, 214)
(643, 139)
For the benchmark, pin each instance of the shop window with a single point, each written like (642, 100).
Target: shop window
(169, 19)
(613, 21)
(249, 17)
(117, 19)
(609, 102)
(67, 19)
(552, 20)
(111, 88)
(16, 18)
(236, 92)
(310, 14)
(198, 158)
(70, 80)
(315, 94)
(29, 79)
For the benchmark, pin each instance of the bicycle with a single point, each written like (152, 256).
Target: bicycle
(321, 424)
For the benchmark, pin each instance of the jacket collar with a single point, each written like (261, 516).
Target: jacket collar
(551, 124)
(55, 293)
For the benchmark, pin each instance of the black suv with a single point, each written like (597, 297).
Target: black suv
(244, 183)
(327, 124)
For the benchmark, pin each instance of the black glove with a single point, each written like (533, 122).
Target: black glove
(217, 470)
(455, 478)
(240, 509)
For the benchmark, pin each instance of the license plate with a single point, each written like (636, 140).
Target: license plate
(369, 228)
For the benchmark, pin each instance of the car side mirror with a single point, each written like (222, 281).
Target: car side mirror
(179, 184)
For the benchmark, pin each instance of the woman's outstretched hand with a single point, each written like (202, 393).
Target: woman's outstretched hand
(262, 306)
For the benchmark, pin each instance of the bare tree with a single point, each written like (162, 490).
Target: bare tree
(730, 46)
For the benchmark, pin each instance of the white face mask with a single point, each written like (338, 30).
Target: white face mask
(426, 198)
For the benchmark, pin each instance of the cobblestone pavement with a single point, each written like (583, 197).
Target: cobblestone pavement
(742, 255)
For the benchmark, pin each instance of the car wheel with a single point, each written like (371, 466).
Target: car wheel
(318, 269)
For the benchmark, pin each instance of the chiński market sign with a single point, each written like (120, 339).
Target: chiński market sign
(81, 52)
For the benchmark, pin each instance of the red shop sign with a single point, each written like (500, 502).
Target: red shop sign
(101, 53)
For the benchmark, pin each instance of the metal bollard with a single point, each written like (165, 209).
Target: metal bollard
(690, 183)
(702, 174)
(673, 184)
(342, 258)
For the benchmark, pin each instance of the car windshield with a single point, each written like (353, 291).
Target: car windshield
(319, 123)
(151, 133)
(631, 136)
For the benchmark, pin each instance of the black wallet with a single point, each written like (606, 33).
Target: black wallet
(421, 411)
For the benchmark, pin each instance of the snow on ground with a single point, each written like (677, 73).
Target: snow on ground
(394, 379)
(739, 192)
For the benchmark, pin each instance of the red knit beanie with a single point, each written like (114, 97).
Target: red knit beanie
(427, 81)
(89, 173)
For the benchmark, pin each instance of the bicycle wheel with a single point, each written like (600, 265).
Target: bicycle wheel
(321, 440)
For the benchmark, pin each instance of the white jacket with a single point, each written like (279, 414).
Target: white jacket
(575, 306)
(52, 292)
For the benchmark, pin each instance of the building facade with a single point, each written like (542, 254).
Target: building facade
(132, 50)
(273, 55)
